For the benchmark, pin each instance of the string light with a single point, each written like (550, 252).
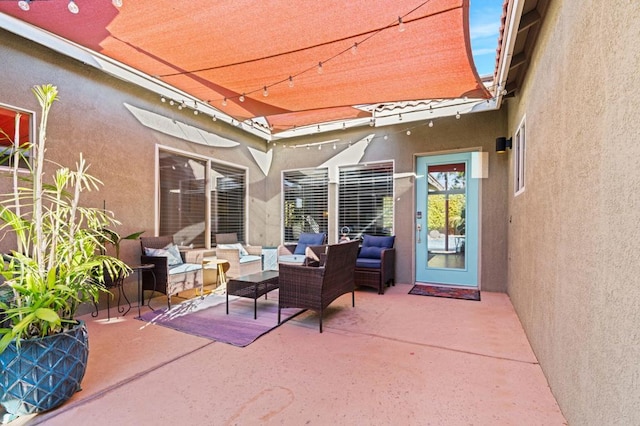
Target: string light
(224, 102)
(400, 24)
(290, 81)
(163, 99)
(265, 92)
(214, 118)
(171, 102)
(24, 5)
(430, 123)
(320, 68)
(73, 7)
(241, 98)
(117, 3)
(408, 132)
(334, 146)
(354, 48)
(457, 115)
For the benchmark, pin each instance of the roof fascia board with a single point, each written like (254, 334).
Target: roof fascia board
(514, 14)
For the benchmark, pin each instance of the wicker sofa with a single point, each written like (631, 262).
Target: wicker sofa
(167, 276)
(315, 288)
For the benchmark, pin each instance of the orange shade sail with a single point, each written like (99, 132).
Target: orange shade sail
(261, 58)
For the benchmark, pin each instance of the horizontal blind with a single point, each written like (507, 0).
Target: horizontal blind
(365, 200)
(184, 182)
(228, 195)
(306, 202)
(182, 198)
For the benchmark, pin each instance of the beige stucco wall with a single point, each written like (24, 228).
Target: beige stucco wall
(574, 266)
(91, 118)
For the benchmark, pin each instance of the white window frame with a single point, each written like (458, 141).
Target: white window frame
(32, 134)
(362, 167)
(209, 161)
(309, 224)
(519, 157)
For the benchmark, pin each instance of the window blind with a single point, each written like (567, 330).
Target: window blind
(184, 182)
(305, 199)
(365, 200)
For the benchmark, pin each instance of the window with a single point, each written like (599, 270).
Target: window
(305, 202)
(186, 212)
(12, 120)
(519, 158)
(365, 200)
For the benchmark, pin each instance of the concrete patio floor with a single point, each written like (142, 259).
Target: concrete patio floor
(395, 359)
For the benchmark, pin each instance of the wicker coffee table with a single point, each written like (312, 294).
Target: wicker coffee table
(252, 286)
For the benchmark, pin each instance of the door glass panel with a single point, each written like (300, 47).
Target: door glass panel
(446, 216)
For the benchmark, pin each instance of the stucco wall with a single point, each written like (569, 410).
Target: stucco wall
(92, 118)
(573, 238)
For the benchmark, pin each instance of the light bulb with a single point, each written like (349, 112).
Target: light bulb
(400, 24)
(344, 126)
(354, 48)
(430, 123)
(371, 122)
(319, 147)
(182, 104)
(408, 132)
(117, 3)
(179, 106)
(334, 146)
(320, 68)
(242, 98)
(171, 102)
(290, 81)
(399, 117)
(195, 112)
(24, 5)
(457, 115)
(163, 99)
(308, 147)
(73, 7)
(318, 129)
(265, 92)
(386, 137)
(214, 118)
(224, 102)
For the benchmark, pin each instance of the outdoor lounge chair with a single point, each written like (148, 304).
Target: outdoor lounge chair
(376, 263)
(243, 259)
(315, 288)
(171, 274)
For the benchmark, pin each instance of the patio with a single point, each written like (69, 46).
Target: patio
(393, 359)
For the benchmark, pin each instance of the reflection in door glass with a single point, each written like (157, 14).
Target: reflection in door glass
(446, 216)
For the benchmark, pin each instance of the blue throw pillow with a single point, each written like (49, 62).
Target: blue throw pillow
(370, 252)
(378, 241)
(308, 239)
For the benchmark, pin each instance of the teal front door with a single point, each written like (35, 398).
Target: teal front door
(446, 220)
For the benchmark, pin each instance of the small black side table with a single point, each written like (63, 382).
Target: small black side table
(140, 269)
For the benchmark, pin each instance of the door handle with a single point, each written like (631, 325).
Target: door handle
(419, 230)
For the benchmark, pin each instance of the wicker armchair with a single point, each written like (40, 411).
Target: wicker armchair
(164, 278)
(295, 253)
(229, 249)
(315, 288)
(376, 263)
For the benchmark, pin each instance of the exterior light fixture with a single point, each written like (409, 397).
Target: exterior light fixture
(502, 144)
(117, 3)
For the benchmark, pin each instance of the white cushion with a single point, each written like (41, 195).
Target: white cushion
(184, 267)
(237, 246)
(249, 258)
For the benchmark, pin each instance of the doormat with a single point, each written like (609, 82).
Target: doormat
(450, 292)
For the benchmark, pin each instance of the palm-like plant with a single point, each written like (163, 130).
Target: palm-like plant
(59, 261)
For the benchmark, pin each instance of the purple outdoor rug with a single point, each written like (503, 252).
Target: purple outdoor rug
(450, 292)
(207, 318)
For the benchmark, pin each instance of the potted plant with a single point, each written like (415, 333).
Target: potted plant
(58, 264)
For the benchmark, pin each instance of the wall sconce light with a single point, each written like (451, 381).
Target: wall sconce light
(502, 144)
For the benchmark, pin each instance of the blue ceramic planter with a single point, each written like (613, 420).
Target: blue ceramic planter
(43, 373)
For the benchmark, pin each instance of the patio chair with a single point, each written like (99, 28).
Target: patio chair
(171, 274)
(243, 259)
(315, 288)
(376, 263)
(296, 253)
